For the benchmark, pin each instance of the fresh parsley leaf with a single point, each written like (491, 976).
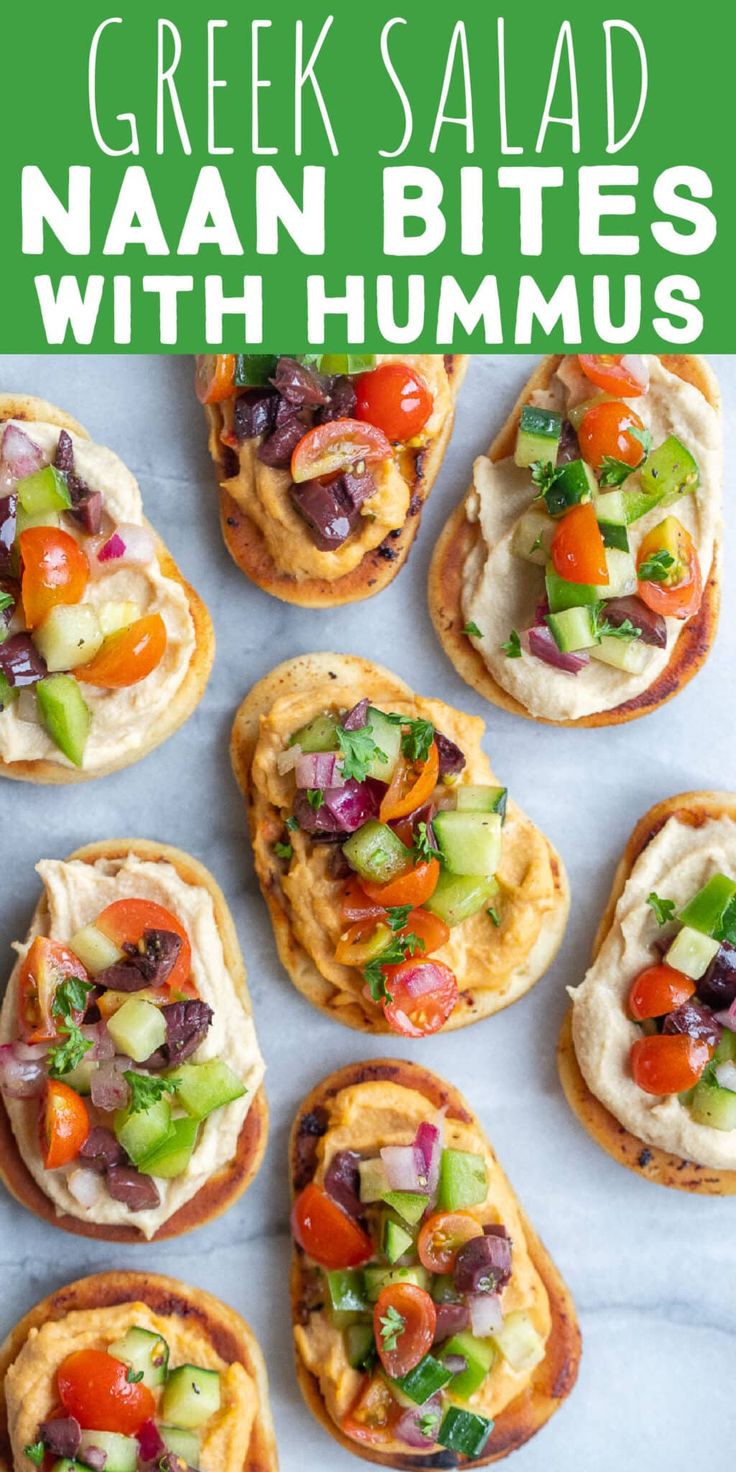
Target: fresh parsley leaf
(424, 849)
(645, 440)
(614, 472)
(133, 1377)
(472, 629)
(397, 916)
(283, 850)
(663, 909)
(376, 981)
(625, 630)
(6, 600)
(35, 1453)
(146, 1089)
(70, 996)
(656, 568)
(512, 646)
(358, 751)
(393, 1325)
(495, 917)
(315, 797)
(428, 1423)
(292, 823)
(544, 476)
(417, 738)
(66, 1055)
(397, 950)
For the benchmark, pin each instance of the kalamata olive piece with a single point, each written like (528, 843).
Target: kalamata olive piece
(342, 1182)
(694, 1020)
(718, 987)
(652, 625)
(20, 661)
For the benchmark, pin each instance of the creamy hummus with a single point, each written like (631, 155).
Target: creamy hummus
(263, 493)
(675, 864)
(30, 1385)
(74, 894)
(501, 590)
(365, 1117)
(122, 720)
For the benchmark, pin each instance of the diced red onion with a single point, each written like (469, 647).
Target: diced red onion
(19, 454)
(352, 804)
(151, 1445)
(127, 546)
(409, 1426)
(452, 1318)
(429, 1143)
(455, 1363)
(319, 769)
(540, 614)
(103, 1047)
(287, 759)
(405, 1168)
(485, 1313)
(541, 643)
(22, 1076)
(85, 1186)
(726, 1074)
(109, 1088)
(357, 718)
(638, 368)
(727, 1017)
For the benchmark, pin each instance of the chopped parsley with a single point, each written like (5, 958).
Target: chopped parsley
(417, 737)
(397, 916)
(399, 948)
(512, 646)
(146, 1090)
(424, 849)
(70, 996)
(645, 440)
(544, 476)
(663, 909)
(494, 915)
(283, 850)
(315, 797)
(133, 1377)
(624, 630)
(393, 1325)
(657, 568)
(428, 1423)
(614, 472)
(292, 823)
(472, 629)
(35, 1452)
(63, 1057)
(6, 599)
(358, 751)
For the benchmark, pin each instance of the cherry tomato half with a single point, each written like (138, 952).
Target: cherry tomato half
(374, 1414)
(214, 377)
(442, 1236)
(668, 1063)
(355, 905)
(411, 785)
(63, 1126)
(326, 1232)
(55, 570)
(658, 990)
(678, 592)
(578, 552)
(395, 399)
(95, 1388)
(333, 448)
(128, 656)
(125, 921)
(404, 1321)
(423, 995)
(606, 430)
(610, 372)
(45, 965)
(412, 888)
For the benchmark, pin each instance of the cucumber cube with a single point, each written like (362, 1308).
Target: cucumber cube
(145, 1352)
(137, 1029)
(459, 896)
(387, 737)
(376, 853)
(610, 510)
(184, 1444)
(470, 842)
(621, 575)
(538, 435)
(726, 1047)
(463, 1180)
(706, 910)
(373, 1180)
(532, 536)
(317, 735)
(670, 471)
(574, 629)
(121, 1452)
(378, 1278)
(562, 594)
(714, 1106)
(24, 521)
(8, 693)
(410, 1205)
(638, 502)
(172, 1157)
(519, 1342)
(65, 715)
(204, 1087)
(396, 1241)
(692, 952)
(142, 1133)
(479, 1356)
(116, 616)
(69, 635)
(421, 1383)
(45, 490)
(346, 1289)
(95, 949)
(630, 655)
(191, 1396)
(464, 1432)
(360, 1344)
(472, 799)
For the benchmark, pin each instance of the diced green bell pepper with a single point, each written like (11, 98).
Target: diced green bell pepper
(172, 1158)
(463, 1180)
(253, 370)
(45, 490)
(464, 1432)
(706, 910)
(670, 471)
(65, 715)
(411, 1205)
(479, 1355)
(347, 1290)
(396, 1240)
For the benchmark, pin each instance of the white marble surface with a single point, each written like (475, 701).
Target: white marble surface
(653, 1272)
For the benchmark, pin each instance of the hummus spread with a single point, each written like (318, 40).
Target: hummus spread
(676, 863)
(122, 720)
(479, 953)
(501, 590)
(262, 492)
(365, 1117)
(74, 894)
(30, 1385)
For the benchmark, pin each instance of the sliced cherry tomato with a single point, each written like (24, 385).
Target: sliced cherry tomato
(658, 990)
(326, 1232)
(333, 448)
(63, 1125)
(356, 906)
(413, 888)
(395, 399)
(442, 1236)
(578, 553)
(428, 928)
(125, 921)
(411, 785)
(95, 1388)
(45, 965)
(55, 570)
(404, 1321)
(128, 656)
(374, 1414)
(669, 1063)
(670, 549)
(606, 430)
(362, 942)
(610, 372)
(422, 996)
(214, 377)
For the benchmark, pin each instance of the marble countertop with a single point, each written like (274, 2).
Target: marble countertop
(653, 1272)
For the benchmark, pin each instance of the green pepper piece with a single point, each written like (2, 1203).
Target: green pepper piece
(396, 1241)
(479, 1355)
(464, 1432)
(45, 490)
(253, 370)
(408, 1204)
(707, 909)
(463, 1180)
(421, 1383)
(347, 1290)
(8, 692)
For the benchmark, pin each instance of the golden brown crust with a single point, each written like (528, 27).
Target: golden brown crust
(223, 1188)
(459, 537)
(246, 544)
(472, 1005)
(554, 1377)
(229, 1335)
(191, 690)
(693, 808)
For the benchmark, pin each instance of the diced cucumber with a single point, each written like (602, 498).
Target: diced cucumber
(621, 575)
(464, 1432)
(457, 896)
(69, 635)
(376, 853)
(118, 615)
(538, 436)
(191, 1396)
(95, 949)
(519, 1342)
(610, 509)
(411, 1205)
(616, 537)
(476, 799)
(45, 490)
(444, 1290)
(479, 1355)
(80, 1078)
(319, 734)
(706, 910)
(575, 484)
(532, 536)
(638, 502)
(65, 715)
(373, 1179)
(64, 1465)
(8, 693)
(121, 1452)
(562, 594)
(574, 629)
(692, 952)
(346, 1289)
(378, 1278)
(147, 1353)
(145, 1131)
(726, 1047)
(137, 1029)
(714, 1106)
(360, 1345)
(463, 1180)
(631, 655)
(172, 1157)
(396, 1241)
(24, 521)
(204, 1087)
(470, 843)
(184, 1444)
(421, 1383)
(670, 471)
(387, 737)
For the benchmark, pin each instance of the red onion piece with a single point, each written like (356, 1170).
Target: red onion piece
(727, 1017)
(21, 1077)
(485, 1313)
(541, 644)
(352, 804)
(109, 1088)
(357, 718)
(85, 1185)
(319, 769)
(19, 454)
(405, 1168)
(127, 546)
(540, 614)
(429, 1143)
(456, 1363)
(409, 1427)
(150, 1442)
(103, 1047)
(452, 1318)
